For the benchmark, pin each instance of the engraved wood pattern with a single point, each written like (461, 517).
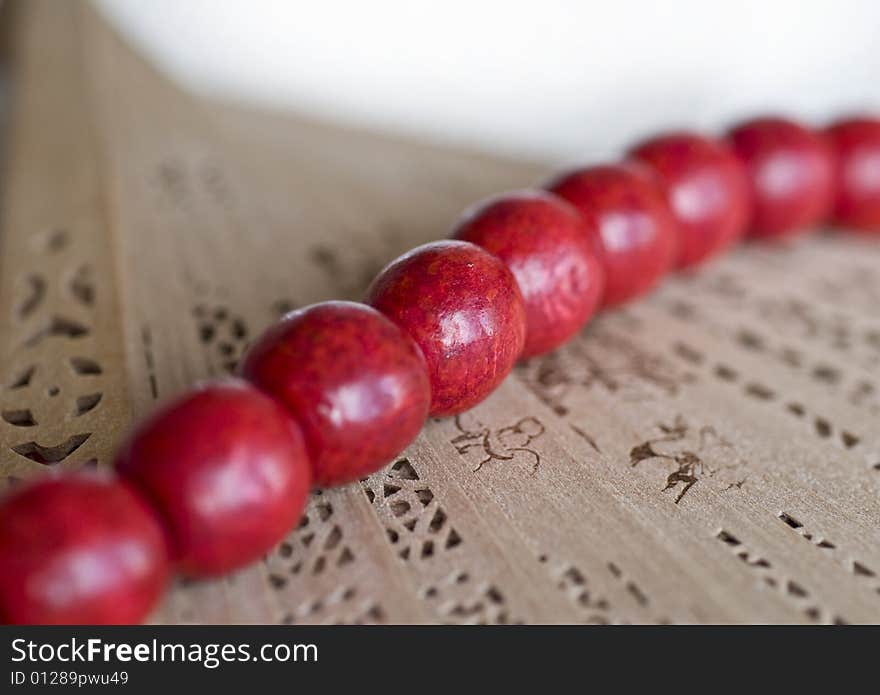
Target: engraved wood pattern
(709, 454)
(63, 399)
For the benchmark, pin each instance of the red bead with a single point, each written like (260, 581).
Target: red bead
(856, 143)
(79, 550)
(463, 308)
(706, 188)
(353, 380)
(790, 171)
(636, 236)
(546, 244)
(227, 469)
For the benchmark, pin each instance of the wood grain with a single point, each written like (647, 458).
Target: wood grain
(710, 454)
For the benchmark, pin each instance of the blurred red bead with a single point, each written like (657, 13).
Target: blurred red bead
(227, 469)
(356, 384)
(463, 308)
(634, 234)
(546, 244)
(856, 143)
(791, 175)
(706, 188)
(79, 550)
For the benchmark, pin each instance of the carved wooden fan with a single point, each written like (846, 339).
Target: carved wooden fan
(711, 454)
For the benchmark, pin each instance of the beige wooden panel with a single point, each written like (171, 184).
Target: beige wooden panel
(64, 399)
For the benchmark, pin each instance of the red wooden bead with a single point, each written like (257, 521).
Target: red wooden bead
(463, 308)
(706, 188)
(636, 237)
(790, 170)
(227, 469)
(856, 143)
(546, 244)
(354, 381)
(79, 550)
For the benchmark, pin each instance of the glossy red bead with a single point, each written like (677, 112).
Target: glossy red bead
(706, 188)
(856, 142)
(79, 550)
(635, 234)
(791, 175)
(463, 308)
(546, 244)
(227, 469)
(354, 381)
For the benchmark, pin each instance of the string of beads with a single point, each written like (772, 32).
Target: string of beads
(334, 391)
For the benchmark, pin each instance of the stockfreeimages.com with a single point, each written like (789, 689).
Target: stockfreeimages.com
(209, 655)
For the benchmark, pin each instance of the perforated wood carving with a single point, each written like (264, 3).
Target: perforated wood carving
(63, 396)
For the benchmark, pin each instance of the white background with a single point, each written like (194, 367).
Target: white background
(558, 79)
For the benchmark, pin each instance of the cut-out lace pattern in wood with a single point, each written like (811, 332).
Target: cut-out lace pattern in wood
(51, 398)
(317, 556)
(793, 316)
(420, 529)
(859, 569)
(635, 590)
(62, 376)
(838, 377)
(224, 335)
(768, 576)
(591, 608)
(819, 425)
